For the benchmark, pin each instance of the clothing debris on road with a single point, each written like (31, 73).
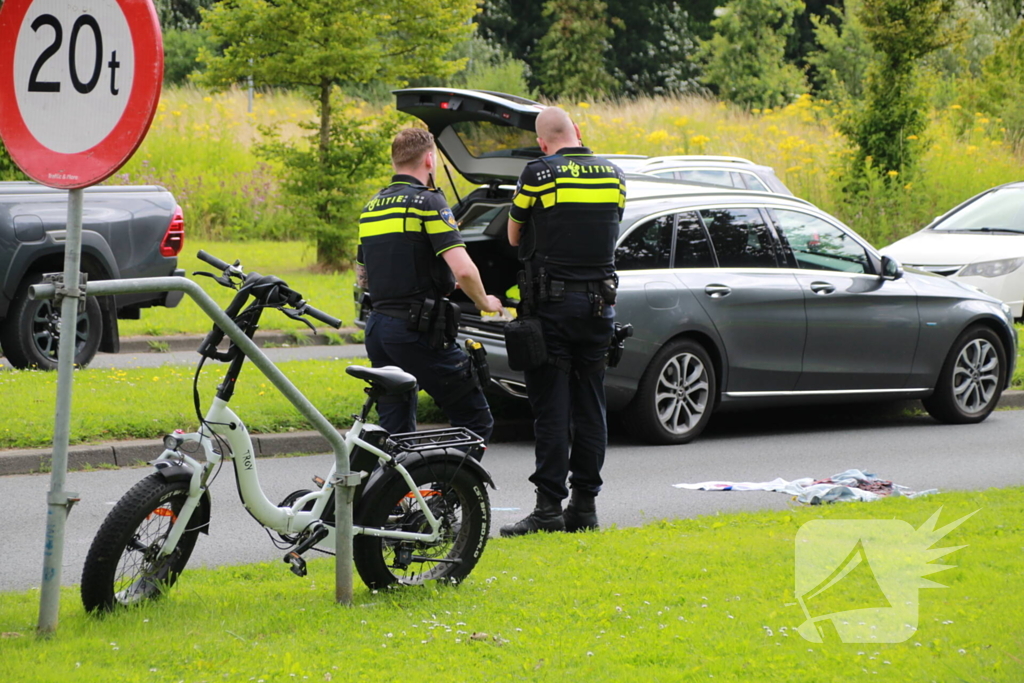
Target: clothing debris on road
(845, 486)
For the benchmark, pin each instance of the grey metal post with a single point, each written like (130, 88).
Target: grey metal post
(58, 501)
(344, 489)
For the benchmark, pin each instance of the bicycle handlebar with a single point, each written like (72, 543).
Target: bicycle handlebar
(212, 260)
(275, 292)
(322, 317)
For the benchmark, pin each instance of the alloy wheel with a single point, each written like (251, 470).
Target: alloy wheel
(976, 376)
(682, 393)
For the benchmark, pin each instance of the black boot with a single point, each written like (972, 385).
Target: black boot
(547, 516)
(581, 513)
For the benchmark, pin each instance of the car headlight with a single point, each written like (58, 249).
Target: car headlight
(991, 268)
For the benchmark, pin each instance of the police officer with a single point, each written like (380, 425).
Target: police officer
(410, 257)
(565, 218)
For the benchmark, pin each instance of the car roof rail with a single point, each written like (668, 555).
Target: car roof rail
(659, 161)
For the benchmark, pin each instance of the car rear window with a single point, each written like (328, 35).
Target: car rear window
(485, 139)
(648, 246)
(740, 237)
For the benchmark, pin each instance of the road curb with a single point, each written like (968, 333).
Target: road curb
(190, 342)
(135, 452)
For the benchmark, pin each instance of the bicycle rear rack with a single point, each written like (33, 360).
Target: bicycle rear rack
(432, 439)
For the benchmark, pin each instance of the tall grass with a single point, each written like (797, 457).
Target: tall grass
(201, 148)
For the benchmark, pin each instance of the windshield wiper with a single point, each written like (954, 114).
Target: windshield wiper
(985, 229)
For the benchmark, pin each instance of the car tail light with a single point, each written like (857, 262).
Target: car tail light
(444, 105)
(174, 238)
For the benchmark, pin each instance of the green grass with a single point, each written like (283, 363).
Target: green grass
(293, 262)
(138, 403)
(689, 600)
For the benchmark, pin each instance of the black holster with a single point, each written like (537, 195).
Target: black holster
(618, 343)
(439, 319)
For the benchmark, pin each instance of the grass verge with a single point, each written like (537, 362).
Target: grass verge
(293, 262)
(687, 600)
(144, 403)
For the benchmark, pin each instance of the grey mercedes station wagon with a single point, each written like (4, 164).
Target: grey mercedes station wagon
(737, 298)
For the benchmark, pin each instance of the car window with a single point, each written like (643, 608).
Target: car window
(648, 246)
(664, 174)
(740, 237)
(707, 176)
(818, 245)
(485, 139)
(692, 247)
(751, 182)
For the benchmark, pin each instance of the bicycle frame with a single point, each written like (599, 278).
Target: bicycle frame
(227, 425)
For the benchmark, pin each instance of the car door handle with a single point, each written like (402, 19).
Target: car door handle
(822, 288)
(717, 291)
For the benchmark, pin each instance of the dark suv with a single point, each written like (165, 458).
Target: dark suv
(737, 298)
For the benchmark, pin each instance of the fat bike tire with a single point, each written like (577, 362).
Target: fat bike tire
(123, 566)
(456, 496)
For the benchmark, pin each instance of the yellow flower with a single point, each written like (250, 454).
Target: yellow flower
(583, 105)
(955, 106)
(893, 174)
(983, 120)
(657, 137)
(176, 112)
(207, 99)
(911, 137)
(156, 379)
(681, 122)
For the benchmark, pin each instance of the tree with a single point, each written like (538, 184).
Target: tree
(745, 59)
(840, 65)
(901, 32)
(649, 48)
(1002, 82)
(571, 57)
(319, 45)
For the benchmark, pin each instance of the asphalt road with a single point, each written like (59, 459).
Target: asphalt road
(913, 451)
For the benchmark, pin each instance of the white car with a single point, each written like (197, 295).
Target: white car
(725, 171)
(980, 243)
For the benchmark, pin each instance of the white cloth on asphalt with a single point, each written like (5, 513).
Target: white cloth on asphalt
(845, 486)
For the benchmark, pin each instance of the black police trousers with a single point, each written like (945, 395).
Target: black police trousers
(569, 407)
(441, 373)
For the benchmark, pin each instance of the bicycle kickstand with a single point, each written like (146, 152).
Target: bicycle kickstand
(314, 535)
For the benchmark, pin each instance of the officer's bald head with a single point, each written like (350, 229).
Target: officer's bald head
(556, 130)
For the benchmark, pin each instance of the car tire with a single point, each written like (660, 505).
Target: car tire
(676, 395)
(971, 380)
(30, 335)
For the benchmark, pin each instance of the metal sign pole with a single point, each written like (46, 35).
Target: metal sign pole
(345, 483)
(59, 501)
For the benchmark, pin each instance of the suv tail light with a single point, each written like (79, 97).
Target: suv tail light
(174, 238)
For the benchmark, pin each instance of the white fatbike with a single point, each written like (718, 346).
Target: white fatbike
(421, 510)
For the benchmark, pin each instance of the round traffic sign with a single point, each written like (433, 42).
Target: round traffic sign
(79, 84)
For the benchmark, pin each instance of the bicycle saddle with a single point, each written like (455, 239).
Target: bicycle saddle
(392, 379)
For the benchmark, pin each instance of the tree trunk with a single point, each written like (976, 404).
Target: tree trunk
(323, 251)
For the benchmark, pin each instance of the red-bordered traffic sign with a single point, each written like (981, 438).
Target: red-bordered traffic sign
(79, 84)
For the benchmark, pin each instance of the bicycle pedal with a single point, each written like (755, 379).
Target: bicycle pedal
(298, 565)
(319, 481)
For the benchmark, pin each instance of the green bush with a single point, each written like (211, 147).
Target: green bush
(8, 169)
(181, 48)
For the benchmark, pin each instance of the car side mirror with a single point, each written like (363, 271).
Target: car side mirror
(891, 268)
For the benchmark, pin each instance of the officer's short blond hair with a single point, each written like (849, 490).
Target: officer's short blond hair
(409, 146)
